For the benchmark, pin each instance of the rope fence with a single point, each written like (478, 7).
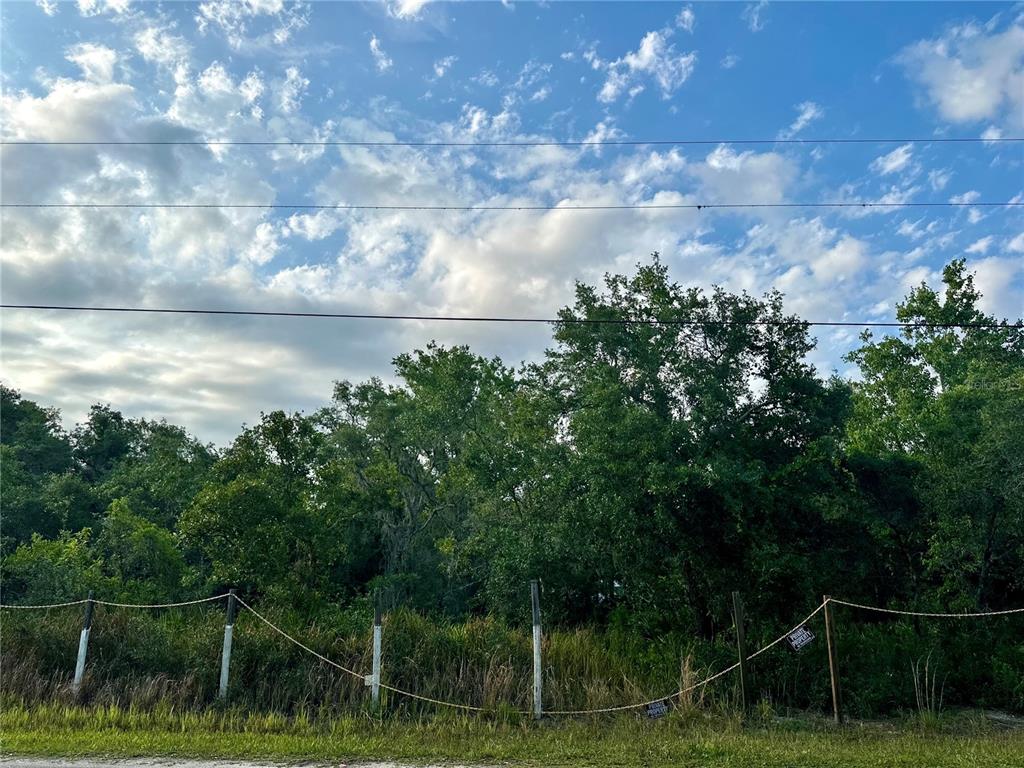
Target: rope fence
(375, 681)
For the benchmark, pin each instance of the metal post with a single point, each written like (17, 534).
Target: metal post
(741, 646)
(229, 630)
(833, 663)
(83, 645)
(537, 680)
(377, 632)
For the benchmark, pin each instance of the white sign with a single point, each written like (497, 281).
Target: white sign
(657, 709)
(800, 637)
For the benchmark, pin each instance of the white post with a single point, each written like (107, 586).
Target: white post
(225, 658)
(83, 646)
(535, 599)
(377, 632)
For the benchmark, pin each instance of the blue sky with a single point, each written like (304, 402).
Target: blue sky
(475, 72)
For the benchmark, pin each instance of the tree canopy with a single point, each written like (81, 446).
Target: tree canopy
(673, 447)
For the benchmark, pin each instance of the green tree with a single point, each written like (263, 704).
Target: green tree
(266, 520)
(101, 441)
(140, 556)
(161, 473)
(419, 458)
(34, 434)
(52, 570)
(696, 451)
(948, 396)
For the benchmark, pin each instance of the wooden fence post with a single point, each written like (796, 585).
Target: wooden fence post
(741, 647)
(83, 645)
(833, 662)
(537, 681)
(225, 659)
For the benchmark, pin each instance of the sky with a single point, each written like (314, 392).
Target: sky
(409, 70)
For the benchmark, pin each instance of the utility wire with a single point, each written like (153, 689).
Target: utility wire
(551, 143)
(484, 319)
(613, 207)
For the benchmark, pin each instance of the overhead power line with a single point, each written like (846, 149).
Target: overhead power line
(495, 319)
(539, 143)
(585, 207)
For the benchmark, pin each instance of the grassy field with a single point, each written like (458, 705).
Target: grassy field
(682, 739)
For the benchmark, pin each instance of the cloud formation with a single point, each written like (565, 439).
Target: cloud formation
(655, 58)
(156, 78)
(972, 74)
(381, 60)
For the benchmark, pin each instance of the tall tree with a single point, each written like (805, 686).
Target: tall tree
(948, 395)
(420, 457)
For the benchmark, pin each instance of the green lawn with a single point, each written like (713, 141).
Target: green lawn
(692, 740)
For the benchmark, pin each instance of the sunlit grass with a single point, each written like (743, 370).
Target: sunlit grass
(689, 738)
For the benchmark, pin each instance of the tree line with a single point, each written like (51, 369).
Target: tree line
(642, 470)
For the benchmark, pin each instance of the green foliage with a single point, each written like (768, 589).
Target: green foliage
(140, 555)
(52, 570)
(950, 402)
(673, 445)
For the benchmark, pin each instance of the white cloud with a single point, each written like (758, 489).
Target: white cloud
(894, 161)
(655, 57)
(159, 46)
(939, 178)
(966, 198)
(215, 80)
(213, 374)
(807, 113)
(49, 7)
(96, 61)
(232, 18)
(752, 15)
(972, 74)
(991, 135)
(999, 282)
(292, 90)
(728, 176)
(686, 18)
(1016, 245)
(981, 245)
(96, 7)
(252, 87)
(729, 61)
(264, 244)
(380, 59)
(441, 66)
(541, 93)
(911, 229)
(406, 9)
(486, 78)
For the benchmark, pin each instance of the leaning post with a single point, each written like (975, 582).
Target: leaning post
(537, 678)
(741, 647)
(229, 629)
(83, 645)
(833, 662)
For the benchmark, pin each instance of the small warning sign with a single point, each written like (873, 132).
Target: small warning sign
(657, 709)
(800, 637)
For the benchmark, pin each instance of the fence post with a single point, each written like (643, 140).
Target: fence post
(225, 659)
(535, 599)
(741, 647)
(83, 645)
(377, 631)
(833, 662)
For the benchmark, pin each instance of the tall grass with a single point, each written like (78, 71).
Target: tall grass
(146, 660)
